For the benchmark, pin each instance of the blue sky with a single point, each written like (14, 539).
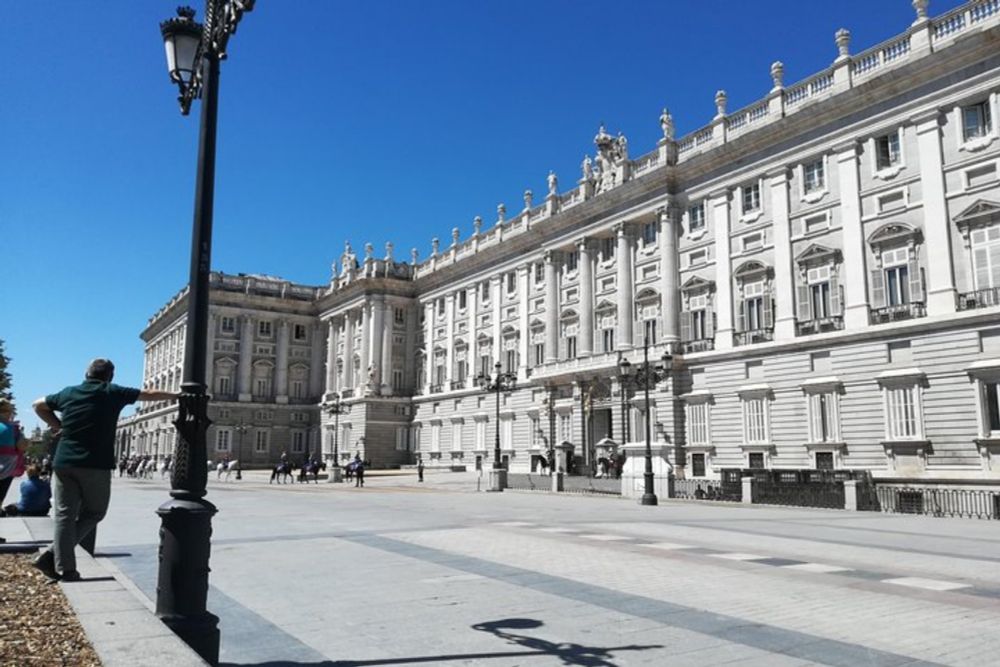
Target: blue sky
(369, 121)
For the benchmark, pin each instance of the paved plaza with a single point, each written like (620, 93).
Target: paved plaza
(401, 573)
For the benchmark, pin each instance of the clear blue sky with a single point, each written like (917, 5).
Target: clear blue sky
(368, 121)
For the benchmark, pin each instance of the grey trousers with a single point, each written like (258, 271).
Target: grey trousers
(81, 501)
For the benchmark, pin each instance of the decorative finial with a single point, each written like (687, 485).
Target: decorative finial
(720, 103)
(454, 236)
(388, 251)
(528, 196)
(414, 254)
(501, 210)
(477, 224)
(369, 251)
(920, 6)
(435, 244)
(667, 124)
(553, 183)
(843, 39)
(777, 75)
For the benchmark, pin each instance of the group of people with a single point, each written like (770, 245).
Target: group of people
(142, 466)
(34, 490)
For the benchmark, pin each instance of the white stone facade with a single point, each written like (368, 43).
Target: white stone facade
(824, 266)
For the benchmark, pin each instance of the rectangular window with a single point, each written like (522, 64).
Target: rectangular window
(755, 420)
(299, 332)
(756, 460)
(262, 387)
(440, 306)
(813, 178)
(435, 437)
(697, 465)
(463, 300)
(397, 379)
(224, 384)
(649, 331)
(439, 374)
(986, 257)
(751, 198)
(976, 121)
(649, 233)
(608, 337)
(298, 442)
(228, 325)
(399, 315)
(903, 421)
(511, 359)
(897, 282)
(539, 273)
(697, 257)
(223, 439)
(824, 460)
(696, 217)
(753, 241)
(264, 328)
(262, 440)
(992, 411)
(697, 423)
(485, 365)
(753, 306)
(572, 259)
(607, 248)
(539, 354)
(298, 389)
(511, 282)
(887, 151)
(484, 292)
(571, 347)
(823, 418)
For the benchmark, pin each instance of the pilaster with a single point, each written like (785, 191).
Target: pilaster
(213, 323)
(551, 309)
(626, 339)
(669, 276)
(524, 333)
(246, 357)
(719, 204)
(449, 315)
(585, 264)
(940, 269)
(471, 301)
(496, 296)
(855, 285)
(386, 332)
(281, 372)
(784, 286)
(347, 378)
(428, 346)
(331, 359)
(366, 325)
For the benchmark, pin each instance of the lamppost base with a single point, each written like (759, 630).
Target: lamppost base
(648, 499)
(334, 475)
(498, 479)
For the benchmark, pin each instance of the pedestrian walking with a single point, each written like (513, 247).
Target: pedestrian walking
(420, 470)
(84, 458)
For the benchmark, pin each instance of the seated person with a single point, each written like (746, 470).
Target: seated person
(35, 496)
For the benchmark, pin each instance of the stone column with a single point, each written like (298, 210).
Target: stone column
(471, 299)
(585, 262)
(316, 349)
(376, 325)
(496, 294)
(940, 271)
(669, 277)
(784, 275)
(246, 356)
(449, 323)
(428, 346)
(551, 308)
(524, 332)
(331, 359)
(719, 205)
(410, 349)
(626, 304)
(347, 377)
(854, 276)
(366, 339)
(213, 322)
(281, 372)
(387, 329)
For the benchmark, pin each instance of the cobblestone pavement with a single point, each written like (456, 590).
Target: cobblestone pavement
(402, 573)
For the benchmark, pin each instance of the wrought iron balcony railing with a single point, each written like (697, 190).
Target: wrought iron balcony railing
(755, 336)
(819, 325)
(701, 345)
(983, 298)
(904, 311)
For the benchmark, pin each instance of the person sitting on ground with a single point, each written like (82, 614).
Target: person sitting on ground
(35, 496)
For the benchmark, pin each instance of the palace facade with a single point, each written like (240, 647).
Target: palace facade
(823, 265)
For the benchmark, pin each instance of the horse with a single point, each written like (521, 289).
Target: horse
(350, 469)
(227, 468)
(165, 466)
(311, 468)
(281, 472)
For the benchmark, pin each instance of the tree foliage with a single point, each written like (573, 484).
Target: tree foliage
(5, 380)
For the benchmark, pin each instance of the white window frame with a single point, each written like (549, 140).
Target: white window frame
(751, 214)
(456, 434)
(985, 243)
(891, 170)
(650, 234)
(436, 436)
(696, 221)
(903, 405)
(698, 420)
(812, 193)
(822, 398)
(223, 439)
(755, 407)
(265, 329)
(298, 329)
(261, 441)
(298, 442)
(231, 321)
(983, 374)
(992, 106)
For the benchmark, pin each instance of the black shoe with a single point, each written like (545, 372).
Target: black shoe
(46, 564)
(70, 575)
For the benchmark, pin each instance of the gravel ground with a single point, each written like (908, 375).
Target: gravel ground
(37, 625)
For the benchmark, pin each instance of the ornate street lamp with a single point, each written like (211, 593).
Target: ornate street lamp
(645, 376)
(240, 428)
(193, 56)
(335, 408)
(500, 382)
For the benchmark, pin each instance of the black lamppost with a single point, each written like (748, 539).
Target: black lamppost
(335, 408)
(501, 382)
(645, 376)
(240, 428)
(193, 56)
(623, 391)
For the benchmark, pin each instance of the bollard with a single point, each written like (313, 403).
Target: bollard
(557, 482)
(851, 495)
(747, 490)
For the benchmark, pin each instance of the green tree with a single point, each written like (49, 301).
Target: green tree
(4, 375)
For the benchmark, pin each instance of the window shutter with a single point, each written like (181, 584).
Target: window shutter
(805, 307)
(835, 307)
(878, 288)
(916, 284)
(709, 325)
(685, 326)
(768, 311)
(740, 317)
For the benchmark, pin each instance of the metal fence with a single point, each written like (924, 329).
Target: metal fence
(706, 489)
(526, 482)
(800, 494)
(599, 485)
(965, 503)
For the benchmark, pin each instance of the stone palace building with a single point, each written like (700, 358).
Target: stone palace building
(823, 265)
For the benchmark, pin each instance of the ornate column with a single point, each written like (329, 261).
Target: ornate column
(213, 322)
(586, 267)
(366, 339)
(347, 372)
(428, 346)
(331, 359)
(316, 348)
(376, 325)
(471, 297)
(246, 356)
(524, 335)
(387, 329)
(854, 274)
(784, 276)
(551, 308)
(669, 277)
(626, 303)
(940, 269)
(449, 323)
(719, 205)
(496, 294)
(281, 372)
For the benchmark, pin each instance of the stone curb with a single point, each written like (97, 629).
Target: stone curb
(119, 623)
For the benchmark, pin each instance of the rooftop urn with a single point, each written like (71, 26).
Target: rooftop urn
(777, 75)
(720, 104)
(843, 39)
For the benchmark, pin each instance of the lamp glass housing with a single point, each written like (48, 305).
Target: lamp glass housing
(181, 39)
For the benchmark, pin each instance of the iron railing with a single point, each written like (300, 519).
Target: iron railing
(701, 345)
(819, 325)
(983, 298)
(597, 485)
(755, 336)
(904, 311)
(528, 482)
(799, 493)
(706, 489)
(933, 501)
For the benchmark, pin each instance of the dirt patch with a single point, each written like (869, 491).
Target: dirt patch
(37, 623)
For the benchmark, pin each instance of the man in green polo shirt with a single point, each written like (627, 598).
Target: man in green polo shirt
(85, 457)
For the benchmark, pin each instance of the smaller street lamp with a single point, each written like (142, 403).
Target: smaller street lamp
(240, 428)
(644, 376)
(500, 382)
(335, 408)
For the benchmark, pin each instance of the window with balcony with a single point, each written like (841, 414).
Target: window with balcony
(397, 379)
(298, 442)
(510, 361)
(224, 385)
(485, 364)
(755, 309)
(986, 256)
(440, 306)
(896, 282)
(539, 272)
(696, 217)
(819, 297)
(697, 320)
(697, 423)
(976, 121)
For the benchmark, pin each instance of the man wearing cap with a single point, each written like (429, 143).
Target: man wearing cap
(85, 457)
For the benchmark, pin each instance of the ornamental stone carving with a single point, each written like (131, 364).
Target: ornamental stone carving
(553, 183)
(455, 233)
(501, 212)
(843, 39)
(777, 75)
(667, 124)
